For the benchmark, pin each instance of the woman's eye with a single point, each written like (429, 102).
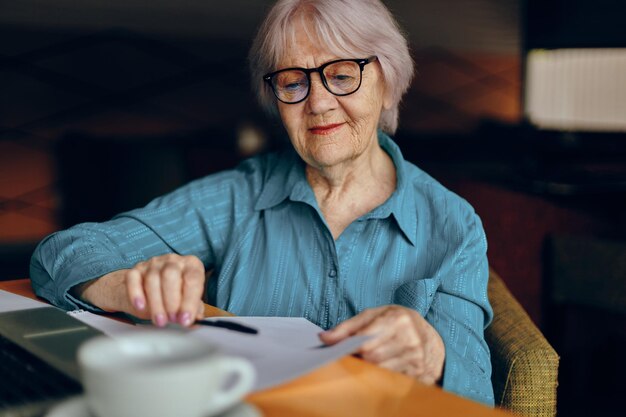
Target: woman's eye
(342, 80)
(293, 86)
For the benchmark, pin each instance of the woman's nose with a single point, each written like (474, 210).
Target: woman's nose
(320, 100)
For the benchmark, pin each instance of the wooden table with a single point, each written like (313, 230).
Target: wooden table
(347, 387)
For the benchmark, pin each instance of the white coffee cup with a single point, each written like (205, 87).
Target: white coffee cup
(160, 374)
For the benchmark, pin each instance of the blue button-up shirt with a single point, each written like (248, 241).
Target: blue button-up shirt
(259, 228)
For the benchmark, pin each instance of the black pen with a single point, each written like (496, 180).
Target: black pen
(230, 325)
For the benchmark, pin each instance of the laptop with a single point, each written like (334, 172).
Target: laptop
(38, 366)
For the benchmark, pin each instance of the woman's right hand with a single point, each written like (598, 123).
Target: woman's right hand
(166, 288)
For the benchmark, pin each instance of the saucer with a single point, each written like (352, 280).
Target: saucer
(77, 407)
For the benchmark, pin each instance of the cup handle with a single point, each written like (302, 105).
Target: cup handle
(227, 397)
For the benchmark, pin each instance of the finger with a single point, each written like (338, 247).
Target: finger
(393, 364)
(348, 327)
(154, 262)
(142, 267)
(384, 331)
(152, 287)
(390, 349)
(171, 288)
(393, 323)
(412, 362)
(193, 287)
(134, 289)
(409, 362)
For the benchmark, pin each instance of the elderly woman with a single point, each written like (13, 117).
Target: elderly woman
(340, 229)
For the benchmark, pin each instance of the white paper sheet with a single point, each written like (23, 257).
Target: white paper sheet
(283, 349)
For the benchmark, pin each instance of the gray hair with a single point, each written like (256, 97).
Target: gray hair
(350, 28)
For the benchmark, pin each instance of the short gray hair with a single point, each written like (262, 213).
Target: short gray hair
(350, 28)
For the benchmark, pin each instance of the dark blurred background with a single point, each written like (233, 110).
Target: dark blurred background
(107, 104)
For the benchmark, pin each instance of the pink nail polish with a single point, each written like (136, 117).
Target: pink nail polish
(185, 319)
(160, 320)
(172, 317)
(139, 303)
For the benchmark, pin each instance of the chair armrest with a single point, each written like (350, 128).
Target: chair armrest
(525, 366)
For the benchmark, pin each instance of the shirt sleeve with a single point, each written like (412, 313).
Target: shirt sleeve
(87, 251)
(460, 311)
(193, 220)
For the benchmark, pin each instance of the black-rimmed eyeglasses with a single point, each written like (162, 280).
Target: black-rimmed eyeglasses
(340, 77)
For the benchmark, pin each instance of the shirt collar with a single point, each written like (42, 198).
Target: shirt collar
(401, 204)
(286, 178)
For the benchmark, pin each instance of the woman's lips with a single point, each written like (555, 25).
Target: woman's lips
(326, 129)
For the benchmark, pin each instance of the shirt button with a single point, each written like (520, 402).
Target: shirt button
(332, 273)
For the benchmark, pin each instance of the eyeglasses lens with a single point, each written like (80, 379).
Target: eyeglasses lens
(342, 78)
(291, 86)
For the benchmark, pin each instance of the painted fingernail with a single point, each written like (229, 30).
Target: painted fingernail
(172, 317)
(185, 319)
(139, 303)
(160, 320)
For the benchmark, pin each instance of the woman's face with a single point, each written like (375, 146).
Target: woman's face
(327, 130)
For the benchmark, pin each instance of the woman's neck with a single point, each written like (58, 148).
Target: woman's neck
(368, 170)
(345, 193)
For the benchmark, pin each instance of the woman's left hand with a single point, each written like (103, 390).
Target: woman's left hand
(402, 341)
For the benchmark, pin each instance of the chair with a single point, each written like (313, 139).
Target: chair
(525, 366)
